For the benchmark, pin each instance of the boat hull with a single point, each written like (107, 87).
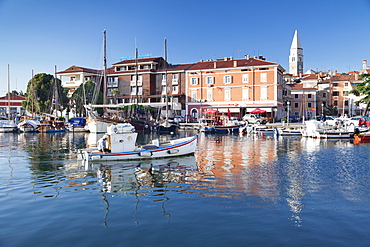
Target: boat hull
(179, 147)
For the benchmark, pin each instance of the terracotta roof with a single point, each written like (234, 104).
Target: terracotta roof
(230, 64)
(13, 97)
(140, 60)
(299, 86)
(74, 69)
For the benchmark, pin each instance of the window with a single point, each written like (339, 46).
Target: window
(263, 77)
(245, 78)
(324, 95)
(194, 81)
(175, 89)
(175, 78)
(164, 90)
(194, 96)
(140, 91)
(227, 79)
(309, 105)
(209, 95)
(209, 80)
(346, 102)
(245, 96)
(336, 102)
(346, 84)
(227, 95)
(263, 95)
(345, 93)
(335, 84)
(296, 104)
(309, 96)
(133, 90)
(335, 93)
(296, 96)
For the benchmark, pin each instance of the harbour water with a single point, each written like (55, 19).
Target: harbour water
(235, 191)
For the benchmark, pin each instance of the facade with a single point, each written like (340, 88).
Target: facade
(14, 104)
(237, 86)
(74, 76)
(303, 101)
(296, 56)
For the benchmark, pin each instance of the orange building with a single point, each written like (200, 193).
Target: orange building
(237, 86)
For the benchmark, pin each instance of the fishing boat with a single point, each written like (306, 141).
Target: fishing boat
(257, 129)
(288, 132)
(315, 129)
(362, 138)
(218, 125)
(122, 145)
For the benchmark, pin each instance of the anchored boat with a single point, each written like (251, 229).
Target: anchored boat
(122, 145)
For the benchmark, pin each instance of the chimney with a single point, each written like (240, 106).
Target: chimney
(247, 57)
(231, 58)
(235, 63)
(356, 76)
(364, 66)
(225, 58)
(214, 64)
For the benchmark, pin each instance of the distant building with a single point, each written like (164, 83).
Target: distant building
(15, 103)
(296, 56)
(237, 86)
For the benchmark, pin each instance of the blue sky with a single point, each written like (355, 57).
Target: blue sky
(37, 35)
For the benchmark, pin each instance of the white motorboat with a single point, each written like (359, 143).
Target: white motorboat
(122, 145)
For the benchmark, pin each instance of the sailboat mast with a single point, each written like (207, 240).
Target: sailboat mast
(136, 76)
(105, 68)
(56, 91)
(8, 91)
(165, 64)
(33, 98)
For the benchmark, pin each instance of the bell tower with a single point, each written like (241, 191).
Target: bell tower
(296, 56)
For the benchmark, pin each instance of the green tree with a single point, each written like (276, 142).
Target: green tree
(40, 92)
(115, 93)
(331, 110)
(363, 89)
(78, 96)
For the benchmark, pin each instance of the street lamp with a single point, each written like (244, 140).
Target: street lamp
(322, 108)
(287, 114)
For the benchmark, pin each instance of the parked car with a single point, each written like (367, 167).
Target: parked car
(352, 120)
(364, 122)
(330, 120)
(253, 119)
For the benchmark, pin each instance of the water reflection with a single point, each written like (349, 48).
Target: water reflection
(250, 171)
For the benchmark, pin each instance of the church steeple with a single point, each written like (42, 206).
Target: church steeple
(296, 56)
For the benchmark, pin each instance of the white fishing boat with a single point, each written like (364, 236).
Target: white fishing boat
(122, 145)
(315, 129)
(288, 132)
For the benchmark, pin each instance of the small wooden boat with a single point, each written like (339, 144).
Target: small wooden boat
(362, 138)
(51, 126)
(122, 145)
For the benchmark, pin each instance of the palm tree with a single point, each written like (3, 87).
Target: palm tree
(363, 89)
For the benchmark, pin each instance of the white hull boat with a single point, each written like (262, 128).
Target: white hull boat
(122, 145)
(7, 125)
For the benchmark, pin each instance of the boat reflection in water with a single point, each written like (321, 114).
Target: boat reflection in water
(126, 176)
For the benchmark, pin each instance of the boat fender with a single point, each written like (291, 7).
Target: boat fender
(145, 154)
(173, 151)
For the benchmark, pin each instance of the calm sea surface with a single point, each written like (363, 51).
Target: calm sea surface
(236, 191)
